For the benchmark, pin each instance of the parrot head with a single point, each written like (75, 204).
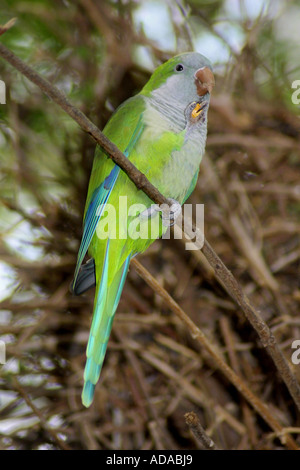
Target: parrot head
(184, 79)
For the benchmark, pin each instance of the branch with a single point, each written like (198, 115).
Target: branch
(195, 426)
(7, 26)
(223, 275)
(43, 421)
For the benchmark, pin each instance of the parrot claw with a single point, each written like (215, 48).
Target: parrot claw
(148, 213)
(170, 213)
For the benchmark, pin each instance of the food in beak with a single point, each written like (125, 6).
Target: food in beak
(197, 109)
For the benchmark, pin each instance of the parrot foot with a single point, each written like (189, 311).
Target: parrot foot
(170, 213)
(148, 213)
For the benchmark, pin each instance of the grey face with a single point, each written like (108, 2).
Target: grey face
(183, 85)
(191, 79)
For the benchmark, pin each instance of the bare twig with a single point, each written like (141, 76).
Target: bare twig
(233, 361)
(7, 26)
(63, 445)
(192, 392)
(195, 426)
(141, 383)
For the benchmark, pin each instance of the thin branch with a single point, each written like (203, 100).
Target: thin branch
(7, 26)
(63, 445)
(195, 426)
(223, 275)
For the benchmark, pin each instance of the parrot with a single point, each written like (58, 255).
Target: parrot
(162, 130)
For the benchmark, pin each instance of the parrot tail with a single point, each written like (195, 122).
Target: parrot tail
(106, 301)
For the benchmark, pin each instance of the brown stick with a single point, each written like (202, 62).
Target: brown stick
(195, 426)
(223, 275)
(40, 416)
(7, 26)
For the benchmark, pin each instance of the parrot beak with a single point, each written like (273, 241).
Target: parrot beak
(198, 109)
(204, 81)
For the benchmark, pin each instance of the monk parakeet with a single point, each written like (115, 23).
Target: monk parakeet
(162, 130)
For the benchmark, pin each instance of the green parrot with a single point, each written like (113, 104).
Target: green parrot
(162, 130)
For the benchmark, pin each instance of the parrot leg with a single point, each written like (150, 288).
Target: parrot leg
(148, 213)
(170, 213)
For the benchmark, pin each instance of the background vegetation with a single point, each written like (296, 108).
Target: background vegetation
(100, 53)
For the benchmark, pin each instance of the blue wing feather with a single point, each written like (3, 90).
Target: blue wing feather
(98, 201)
(93, 214)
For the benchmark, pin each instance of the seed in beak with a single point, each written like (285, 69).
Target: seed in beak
(196, 111)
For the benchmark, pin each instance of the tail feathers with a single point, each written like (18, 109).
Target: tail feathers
(106, 302)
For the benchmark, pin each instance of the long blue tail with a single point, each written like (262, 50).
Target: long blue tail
(106, 301)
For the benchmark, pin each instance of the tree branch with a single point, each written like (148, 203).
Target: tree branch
(7, 26)
(193, 422)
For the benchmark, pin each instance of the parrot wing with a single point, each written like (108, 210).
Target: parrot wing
(124, 129)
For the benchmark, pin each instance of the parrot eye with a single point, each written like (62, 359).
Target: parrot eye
(179, 68)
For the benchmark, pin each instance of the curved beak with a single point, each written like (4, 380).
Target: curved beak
(204, 81)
